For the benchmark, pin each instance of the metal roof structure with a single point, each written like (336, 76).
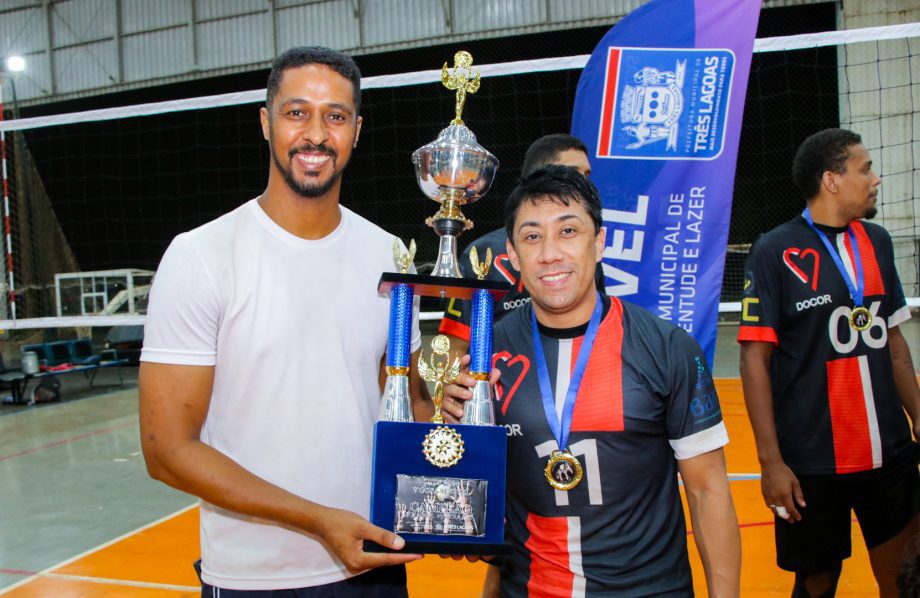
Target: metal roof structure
(79, 48)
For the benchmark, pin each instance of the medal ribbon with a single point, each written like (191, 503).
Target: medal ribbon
(561, 429)
(858, 289)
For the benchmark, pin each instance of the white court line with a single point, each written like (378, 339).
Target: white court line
(732, 477)
(121, 582)
(47, 572)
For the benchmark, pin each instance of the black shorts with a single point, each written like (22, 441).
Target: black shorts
(385, 582)
(884, 500)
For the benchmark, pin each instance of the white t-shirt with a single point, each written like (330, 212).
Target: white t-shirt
(296, 332)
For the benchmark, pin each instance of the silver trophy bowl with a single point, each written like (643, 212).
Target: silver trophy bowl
(453, 170)
(455, 160)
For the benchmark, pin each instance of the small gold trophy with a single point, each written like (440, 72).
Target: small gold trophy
(440, 370)
(403, 260)
(480, 269)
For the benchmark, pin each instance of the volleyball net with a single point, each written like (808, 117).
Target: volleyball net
(93, 198)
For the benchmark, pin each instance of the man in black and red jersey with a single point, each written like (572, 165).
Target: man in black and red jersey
(827, 374)
(604, 404)
(561, 149)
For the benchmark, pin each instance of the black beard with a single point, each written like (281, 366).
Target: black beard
(870, 213)
(307, 189)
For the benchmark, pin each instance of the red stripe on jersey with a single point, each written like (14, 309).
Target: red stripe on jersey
(757, 333)
(849, 421)
(454, 328)
(871, 273)
(548, 546)
(599, 406)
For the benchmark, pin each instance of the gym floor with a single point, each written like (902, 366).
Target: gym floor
(80, 517)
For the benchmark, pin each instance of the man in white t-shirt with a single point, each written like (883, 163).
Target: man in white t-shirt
(260, 374)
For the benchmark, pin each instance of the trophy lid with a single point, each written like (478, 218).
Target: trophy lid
(455, 160)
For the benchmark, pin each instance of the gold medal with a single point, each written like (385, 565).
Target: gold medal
(860, 318)
(443, 447)
(563, 471)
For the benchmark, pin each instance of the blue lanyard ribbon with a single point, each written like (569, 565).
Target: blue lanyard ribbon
(561, 429)
(858, 289)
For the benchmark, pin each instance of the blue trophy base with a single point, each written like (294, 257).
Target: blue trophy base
(458, 509)
(419, 547)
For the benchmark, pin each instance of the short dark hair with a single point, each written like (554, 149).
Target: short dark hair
(825, 151)
(556, 183)
(306, 55)
(546, 150)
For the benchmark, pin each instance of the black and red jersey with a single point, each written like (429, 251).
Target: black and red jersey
(646, 397)
(835, 403)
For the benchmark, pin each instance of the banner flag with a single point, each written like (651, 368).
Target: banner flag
(659, 107)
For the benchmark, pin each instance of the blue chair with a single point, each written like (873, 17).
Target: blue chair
(57, 352)
(81, 352)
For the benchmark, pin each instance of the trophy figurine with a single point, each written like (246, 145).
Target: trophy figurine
(418, 467)
(454, 169)
(440, 370)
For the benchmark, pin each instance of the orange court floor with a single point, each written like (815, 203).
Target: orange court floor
(155, 559)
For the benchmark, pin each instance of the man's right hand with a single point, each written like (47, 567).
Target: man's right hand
(458, 392)
(344, 533)
(781, 490)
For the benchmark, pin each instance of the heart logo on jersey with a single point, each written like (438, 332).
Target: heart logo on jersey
(503, 264)
(795, 257)
(502, 396)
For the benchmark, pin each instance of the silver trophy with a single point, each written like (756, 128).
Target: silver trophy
(454, 169)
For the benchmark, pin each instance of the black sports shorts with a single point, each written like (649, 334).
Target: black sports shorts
(385, 582)
(884, 501)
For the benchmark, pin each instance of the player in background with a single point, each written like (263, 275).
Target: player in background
(828, 375)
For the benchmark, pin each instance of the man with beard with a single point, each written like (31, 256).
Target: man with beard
(264, 341)
(828, 375)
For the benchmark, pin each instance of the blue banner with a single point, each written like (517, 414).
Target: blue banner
(659, 107)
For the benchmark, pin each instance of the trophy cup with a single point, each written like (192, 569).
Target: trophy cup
(442, 486)
(454, 169)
